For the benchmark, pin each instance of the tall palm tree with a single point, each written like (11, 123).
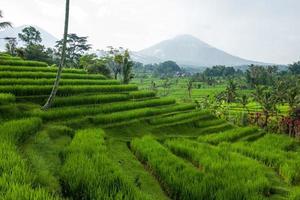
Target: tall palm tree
(62, 61)
(4, 25)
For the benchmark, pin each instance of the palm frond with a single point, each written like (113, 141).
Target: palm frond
(5, 25)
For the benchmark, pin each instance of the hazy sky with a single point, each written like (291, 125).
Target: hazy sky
(262, 30)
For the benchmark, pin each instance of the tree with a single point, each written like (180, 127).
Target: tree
(76, 47)
(244, 100)
(167, 69)
(127, 66)
(30, 36)
(295, 68)
(231, 91)
(190, 87)
(114, 60)
(4, 25)
(94, 65)
(267, 99)
(11, 46)
(62, 63)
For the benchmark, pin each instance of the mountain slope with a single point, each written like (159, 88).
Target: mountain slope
(48, 39)
(187, 50)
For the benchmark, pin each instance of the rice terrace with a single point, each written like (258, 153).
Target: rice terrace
(178, 120)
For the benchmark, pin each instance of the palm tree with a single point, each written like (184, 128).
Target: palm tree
(4, 25)
(62, 61)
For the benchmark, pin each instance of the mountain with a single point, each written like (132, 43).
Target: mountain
(189, 51)
(48, 39)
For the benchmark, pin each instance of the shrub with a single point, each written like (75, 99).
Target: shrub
(88, 173)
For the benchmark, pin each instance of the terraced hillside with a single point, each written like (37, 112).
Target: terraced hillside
(105, 140)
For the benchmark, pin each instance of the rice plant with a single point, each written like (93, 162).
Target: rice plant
(179, 179)
(15, 178)
(228, 136)
(137, 113)
(191, 116)
(22, 63)
(235, 176)
(35, 75)
(287, 164)
(67, 112)
(6, 98)
(99, 99)
(38, 69)
(88, 173)
(45, 81)
(64, 90)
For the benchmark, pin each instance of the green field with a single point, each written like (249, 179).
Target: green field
(105, 140)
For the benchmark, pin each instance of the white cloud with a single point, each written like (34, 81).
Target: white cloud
(265, 30)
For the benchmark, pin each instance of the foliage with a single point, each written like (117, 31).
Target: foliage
(6, 98)
(30, 35)
(295, 68)
(4, 25)
(76, 46)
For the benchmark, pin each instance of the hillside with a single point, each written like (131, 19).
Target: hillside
(48, 39)
(187, 50)
(105, 140)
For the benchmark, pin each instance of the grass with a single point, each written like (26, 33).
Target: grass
(287, 164)
(6, 98)
(36, 75)
(44, 81)
(137, 113)
(64, 113)
(88, 173)
(235, 176)
(22, 63)
(121, 155)
(228, 136)
(38, 69)
(16, 180)
(181, 180)
(192, 116)
(99, 99)
(27, 90)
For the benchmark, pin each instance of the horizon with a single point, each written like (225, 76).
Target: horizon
(258, 30)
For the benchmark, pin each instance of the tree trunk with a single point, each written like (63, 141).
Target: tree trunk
(62, 61)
